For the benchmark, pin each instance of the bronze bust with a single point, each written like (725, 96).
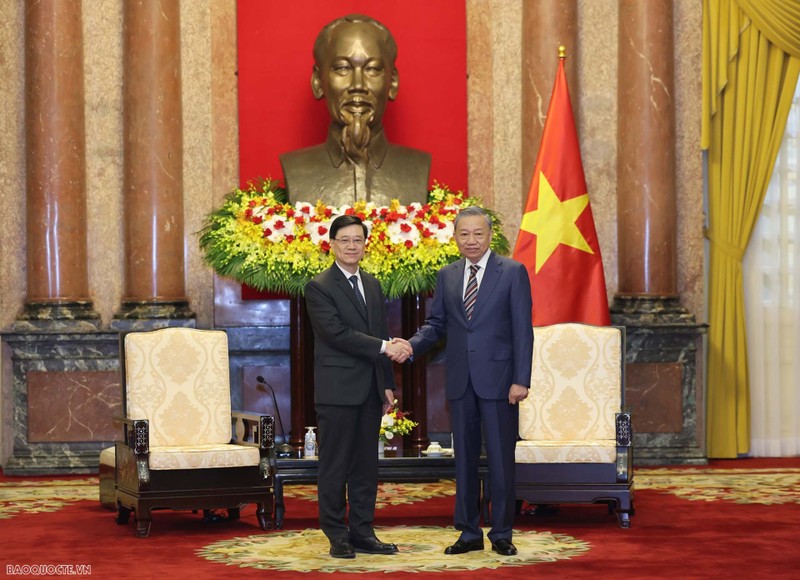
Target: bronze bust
(354, 70)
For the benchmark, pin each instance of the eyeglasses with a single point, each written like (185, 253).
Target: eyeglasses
(350, 241)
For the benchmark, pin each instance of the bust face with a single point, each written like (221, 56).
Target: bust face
(357, 76)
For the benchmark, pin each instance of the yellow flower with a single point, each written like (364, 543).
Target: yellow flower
(260, 240)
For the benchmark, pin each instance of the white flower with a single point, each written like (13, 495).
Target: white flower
(387, 421)
(279, 227)
(389, 435)
(318, 230)
(397, 235)
(442, 235)
(305, 208)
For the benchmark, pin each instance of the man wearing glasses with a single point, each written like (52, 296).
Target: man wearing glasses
(353, 384)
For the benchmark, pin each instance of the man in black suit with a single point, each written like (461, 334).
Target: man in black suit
(353, 385)
(482, 304)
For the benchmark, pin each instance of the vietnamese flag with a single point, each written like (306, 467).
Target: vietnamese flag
(557, 240)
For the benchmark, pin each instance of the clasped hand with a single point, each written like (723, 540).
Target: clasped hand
(399, 350)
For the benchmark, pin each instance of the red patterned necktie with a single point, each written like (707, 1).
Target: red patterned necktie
(471, 294)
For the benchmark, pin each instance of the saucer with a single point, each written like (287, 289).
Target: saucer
(443, 453)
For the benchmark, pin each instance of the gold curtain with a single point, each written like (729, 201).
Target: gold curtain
(751, 63)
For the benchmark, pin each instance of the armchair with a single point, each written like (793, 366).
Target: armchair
(575, 437)
(177, 450)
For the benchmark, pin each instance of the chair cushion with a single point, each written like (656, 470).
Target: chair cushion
(575, 384)
(587, 451)
(203, 456)
(178, 379)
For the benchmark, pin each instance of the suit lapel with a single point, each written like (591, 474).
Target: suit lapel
(490, 278)
(457, 283)
(347, 288)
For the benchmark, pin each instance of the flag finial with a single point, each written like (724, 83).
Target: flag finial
(562, 52)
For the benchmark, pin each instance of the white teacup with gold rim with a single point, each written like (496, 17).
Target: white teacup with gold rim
(433, 449)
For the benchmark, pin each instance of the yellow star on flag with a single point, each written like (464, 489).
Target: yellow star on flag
(553, 223)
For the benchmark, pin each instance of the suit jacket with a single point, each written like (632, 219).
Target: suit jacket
(347, 359)
(495, 347)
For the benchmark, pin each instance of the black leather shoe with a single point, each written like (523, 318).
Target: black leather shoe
(342, 548)
(373, 546)
(462, 547)
(504, 547)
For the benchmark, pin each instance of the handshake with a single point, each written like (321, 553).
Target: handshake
(398, 350)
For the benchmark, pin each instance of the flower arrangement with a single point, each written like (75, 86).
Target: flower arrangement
(395, 422)
(259, 239)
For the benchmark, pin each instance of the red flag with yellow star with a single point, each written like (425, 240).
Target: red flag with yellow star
(557, 240)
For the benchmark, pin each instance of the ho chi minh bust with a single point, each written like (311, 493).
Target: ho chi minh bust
(354, 70)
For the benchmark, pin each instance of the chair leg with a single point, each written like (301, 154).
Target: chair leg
(123, 515)
(264, 520)
(143, 520)
(624, 519)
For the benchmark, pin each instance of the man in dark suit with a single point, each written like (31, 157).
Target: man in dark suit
(482, 304)
(353, 384)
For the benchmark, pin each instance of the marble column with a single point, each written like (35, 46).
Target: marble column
(57, 278)
(646, 156)
(154, 293)
(664, 369)
(546, 25)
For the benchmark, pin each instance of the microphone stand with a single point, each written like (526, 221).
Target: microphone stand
(283, 450)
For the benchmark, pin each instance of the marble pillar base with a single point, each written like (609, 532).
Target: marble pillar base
(65, 391)
(152, 315)
(77, 316)
(664, 383)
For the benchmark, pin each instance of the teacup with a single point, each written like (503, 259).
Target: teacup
(434, 449)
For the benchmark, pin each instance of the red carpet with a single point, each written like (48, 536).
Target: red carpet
(733, 519)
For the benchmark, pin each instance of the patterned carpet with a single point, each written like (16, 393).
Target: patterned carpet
(306, 549)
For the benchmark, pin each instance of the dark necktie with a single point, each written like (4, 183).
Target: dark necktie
(359, 296)
(471, 293)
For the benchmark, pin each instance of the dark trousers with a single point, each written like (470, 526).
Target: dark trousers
(500, 423)
(348, 467)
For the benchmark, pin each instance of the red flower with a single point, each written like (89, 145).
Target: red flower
(349, 211)
(279, 224)
(289, 239)
(248, 213)
(328, 212)
(252, 203)
(267, 232)
(290, 211)
(299, 220)
(405, 227)
(409, 244)
(257, 219)
(322, 230)
(326, 247)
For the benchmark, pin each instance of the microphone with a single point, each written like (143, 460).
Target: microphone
(283, 450)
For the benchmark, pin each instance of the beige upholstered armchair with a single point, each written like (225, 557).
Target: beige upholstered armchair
(183, 448)
(575, 437)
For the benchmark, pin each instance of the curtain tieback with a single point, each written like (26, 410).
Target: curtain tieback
(729, 250)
